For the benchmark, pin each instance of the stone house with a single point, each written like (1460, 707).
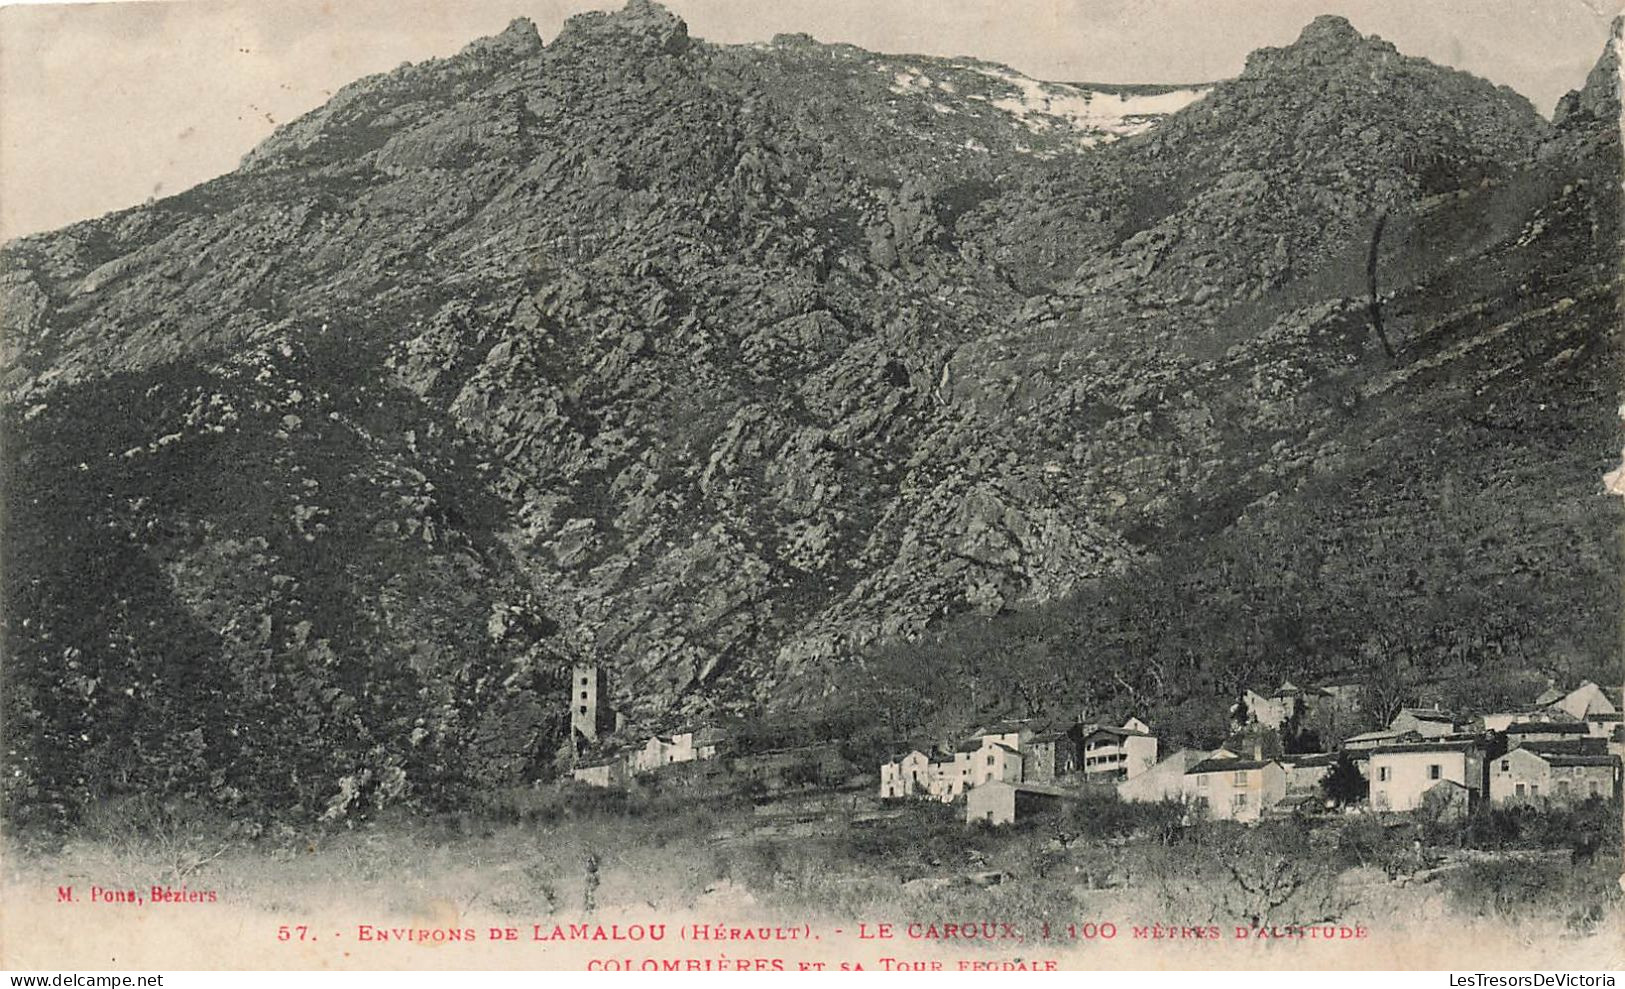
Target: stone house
(1502, 720)
(995, 761)
(907, 775)
(1580, 703)
(1111, 754)
(1366, 741)
(949, 777)
(1012, 734)
(1526, 732)
(609, 771)
(999, 802)
(1535, 774)
(654, 753)
(1304, 771)
(1402, 774)
(1233, 789)
(1344, 694)
(1164, 781)
(1427, 722)
(1048, 756)
(1275, 709)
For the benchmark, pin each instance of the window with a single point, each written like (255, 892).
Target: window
(1596, 789)
(1562, 788)
(583, 709)
(1534, 789)
(1201, 781)
(1383, 774)
(1518, 790)
(1435, 771)
(990, 758)
(1506, 765)
(583, 695)
(1240, 779)
(1240, 801)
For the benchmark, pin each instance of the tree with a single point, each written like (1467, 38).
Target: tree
(1239, 715)
(1295, 737)
(1345, 784)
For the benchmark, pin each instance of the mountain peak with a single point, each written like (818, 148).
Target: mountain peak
(521, 29)
(1599, 99)
(644, 23)
(1330, 28)
(519, 39)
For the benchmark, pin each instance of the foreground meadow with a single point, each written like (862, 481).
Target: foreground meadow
(1099, 887)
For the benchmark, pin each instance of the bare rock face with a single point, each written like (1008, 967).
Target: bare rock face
(768, 376)
(1599, 99)
(641, 26)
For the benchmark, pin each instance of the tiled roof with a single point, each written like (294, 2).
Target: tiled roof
(1547, 728)
(1366, 735)
(1120, 732)
(900, 756)
(1568, 746)
(1555, 759)
(1433, 746)
(1290, 689)
(1310, 759)
(1427, 714)
(1226, 766)
(1046, 789)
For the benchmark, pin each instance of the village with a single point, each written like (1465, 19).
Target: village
(1566, 747)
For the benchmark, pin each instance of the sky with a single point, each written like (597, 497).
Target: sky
(104, 105)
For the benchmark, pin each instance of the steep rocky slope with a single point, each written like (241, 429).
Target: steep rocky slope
(736, 367)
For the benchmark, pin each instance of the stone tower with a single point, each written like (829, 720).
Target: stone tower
(588, 706)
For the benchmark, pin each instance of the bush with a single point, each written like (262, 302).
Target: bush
(1516, 889)
(1106, 817)
(1366, 841)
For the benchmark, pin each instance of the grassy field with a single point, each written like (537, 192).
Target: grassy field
(546, 856)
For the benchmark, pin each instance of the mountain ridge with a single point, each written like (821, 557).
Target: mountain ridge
(750, 371)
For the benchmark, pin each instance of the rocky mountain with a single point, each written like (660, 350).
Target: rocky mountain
(764, 374)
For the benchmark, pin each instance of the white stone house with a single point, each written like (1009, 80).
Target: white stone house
(908, 775)
(1230, 789)
(995, 761)
(999, 802)
(1111, 754)
(1164, 781)
(1402, 775)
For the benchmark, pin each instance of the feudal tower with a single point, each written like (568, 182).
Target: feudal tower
(589, 707)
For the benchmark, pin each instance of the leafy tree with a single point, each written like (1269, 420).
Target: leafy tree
(1345, 784)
